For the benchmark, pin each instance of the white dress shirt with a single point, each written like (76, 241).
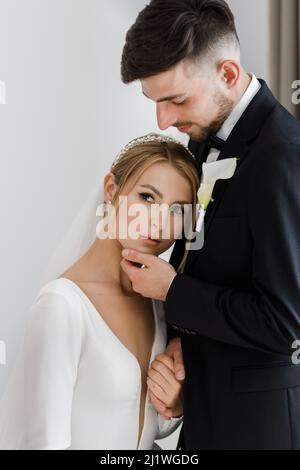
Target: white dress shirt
(235, 115)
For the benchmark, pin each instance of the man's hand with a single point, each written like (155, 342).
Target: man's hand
(165, 390)
(154, 280)
(174, 351)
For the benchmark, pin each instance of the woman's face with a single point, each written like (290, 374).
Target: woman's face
(154, 215)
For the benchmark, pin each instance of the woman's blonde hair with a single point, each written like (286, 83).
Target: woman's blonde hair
(135, 161)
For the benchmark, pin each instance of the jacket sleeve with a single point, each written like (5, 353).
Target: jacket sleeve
(51, 356)
(267, 315)
(171, 333)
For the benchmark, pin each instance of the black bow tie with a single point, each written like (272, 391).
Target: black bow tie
(215, 142)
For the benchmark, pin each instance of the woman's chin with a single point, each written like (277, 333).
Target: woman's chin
(148, 247)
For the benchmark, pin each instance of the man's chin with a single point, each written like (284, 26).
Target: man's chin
(199, 136)
(195, 136)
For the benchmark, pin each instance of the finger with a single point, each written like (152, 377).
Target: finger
(132, 272)
(129, 269)
(165, 359)
(179, 370)
(137, 257)
(160, 406)
(160, 380)
(158, 391)
(166, 391)
(168, 413)
(161, 373)
(174, 352)
(178, 363)
(171, 347)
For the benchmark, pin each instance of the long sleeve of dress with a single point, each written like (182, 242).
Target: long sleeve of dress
(167, 427)
(51, 356)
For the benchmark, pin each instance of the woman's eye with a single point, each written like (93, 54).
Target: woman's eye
(178, 104)
(145, 196)
(178, 210)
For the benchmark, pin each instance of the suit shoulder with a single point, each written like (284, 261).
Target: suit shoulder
(282, 128)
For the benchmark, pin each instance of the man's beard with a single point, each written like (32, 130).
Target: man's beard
(225, 108)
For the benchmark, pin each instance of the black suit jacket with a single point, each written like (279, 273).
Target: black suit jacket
(237, 305)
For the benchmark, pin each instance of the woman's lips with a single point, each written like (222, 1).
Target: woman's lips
(150, 241)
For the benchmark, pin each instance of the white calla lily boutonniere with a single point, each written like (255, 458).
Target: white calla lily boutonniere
(211, 173)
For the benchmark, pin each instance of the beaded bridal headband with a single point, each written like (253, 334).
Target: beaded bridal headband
(153, 137)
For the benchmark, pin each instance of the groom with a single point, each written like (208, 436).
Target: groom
(236, 308)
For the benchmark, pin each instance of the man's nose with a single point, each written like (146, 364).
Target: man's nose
(165, 116)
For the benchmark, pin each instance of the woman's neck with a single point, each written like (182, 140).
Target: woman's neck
(104, 258)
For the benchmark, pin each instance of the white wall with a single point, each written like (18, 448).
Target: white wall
(253, 20)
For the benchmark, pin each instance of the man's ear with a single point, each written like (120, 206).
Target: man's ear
(229, 71)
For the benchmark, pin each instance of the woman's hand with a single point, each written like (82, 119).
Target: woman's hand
(166, 392)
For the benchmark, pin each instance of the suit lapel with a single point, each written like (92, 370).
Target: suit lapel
(237, 149)
(200, 152)
(241, 149)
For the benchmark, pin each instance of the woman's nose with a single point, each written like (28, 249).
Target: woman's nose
(160, 221)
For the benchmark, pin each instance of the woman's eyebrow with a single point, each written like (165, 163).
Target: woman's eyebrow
(156, 191)
(159, 194)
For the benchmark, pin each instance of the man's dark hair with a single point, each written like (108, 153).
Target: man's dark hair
(168, 31)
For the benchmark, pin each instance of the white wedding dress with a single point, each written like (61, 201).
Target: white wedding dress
(82, 386)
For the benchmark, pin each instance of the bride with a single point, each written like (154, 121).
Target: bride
(81, 382)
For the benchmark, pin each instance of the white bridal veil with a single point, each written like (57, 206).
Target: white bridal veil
(74, 244)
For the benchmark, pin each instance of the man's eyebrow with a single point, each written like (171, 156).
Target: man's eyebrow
(159, 194)
(167, 98)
